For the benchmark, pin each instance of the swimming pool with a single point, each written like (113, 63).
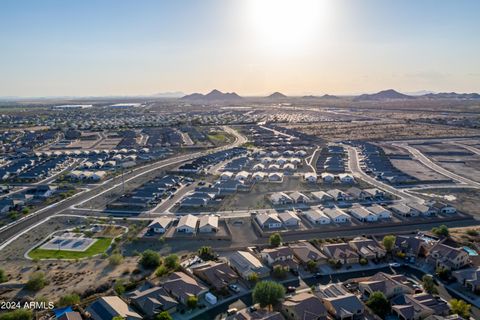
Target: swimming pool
(470, 251)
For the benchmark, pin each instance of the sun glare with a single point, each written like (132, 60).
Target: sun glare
(287, 25)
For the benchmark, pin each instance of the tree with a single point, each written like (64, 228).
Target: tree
(279, 272)
(171, 262)
(115, 259)
(69, 300)
(428, 284)
(441, 231)
(192, 302)
(312, 265)
(161, 271)
(164, 315)
(460, 307)
(150, 259)
(37, 281)
(3, 276)
(275, 239)
(379, 304)
(18, 314)
(206, 253)
(253, 277)
(389, 242)
(119, 287)
(118, 318)
(268, 293)
(443, 273)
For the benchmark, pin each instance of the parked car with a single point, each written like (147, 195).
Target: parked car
(234, 288)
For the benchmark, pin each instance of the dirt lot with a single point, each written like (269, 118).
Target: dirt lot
(416, 169)
(380, 130)
(464, 199)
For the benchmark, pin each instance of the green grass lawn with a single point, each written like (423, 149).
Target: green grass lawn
(100, 246)
(218, 137)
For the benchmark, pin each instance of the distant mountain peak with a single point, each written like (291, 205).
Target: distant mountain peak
(389, 94)
(277, 95)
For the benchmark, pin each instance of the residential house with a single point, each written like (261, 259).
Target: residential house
(443, 208)
(280, 256)
(160, 225)
(380, 211)
(259, 176)
(321, 196)
(226, 175)
(340, 253)
(182, 286)
(367, 248)
(391, 285)
(152, 301)
(275, 177)
(363, 214)
(346, 178)
(106, 308)
(310, 177)
(336, 215)
(289, 218)
(411, 246)
(218, 275)
(268, 220)
(403, 210)
(187, 224)
(375, 194)
(304, 252)
(316, 216)
(303, 306)
(421, 209)
(358, 194)
(469, 278)
(246, 264)
(327, 177)
(299, 197)
(340, 303)
(280, 198)
(208, 224)
(338, 195)
(420, 306)
(444, 256)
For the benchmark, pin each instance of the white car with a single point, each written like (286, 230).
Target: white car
(395, 265)
(234, 288)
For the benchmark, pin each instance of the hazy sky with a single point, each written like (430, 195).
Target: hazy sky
(118, 47)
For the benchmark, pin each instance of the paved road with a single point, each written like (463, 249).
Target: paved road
(430, 164)
(354, 166)
(14, 230)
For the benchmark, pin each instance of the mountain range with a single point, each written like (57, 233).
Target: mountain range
(214, 95)
(389, 94)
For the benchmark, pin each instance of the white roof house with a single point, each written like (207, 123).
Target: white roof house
(259, 167)
(246, 264)
(380, 211)
(187, 224)
(280, 198)
(273, 167)
(289, 167)
(160, 225)
(363, 214)
(268, 220)
(275, 176)
(289, 218)
(403, 210)
(299, 197)
(317, 216)
(259, 176)
(310, 177)
(242, 176)
(337, 195)
(336, 215)
(208, 223)
(321, 196)
(226, 175)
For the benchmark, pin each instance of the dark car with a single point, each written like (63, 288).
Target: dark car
(291, 289)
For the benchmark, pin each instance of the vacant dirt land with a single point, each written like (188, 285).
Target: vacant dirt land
(380, 130)
(464, 199)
